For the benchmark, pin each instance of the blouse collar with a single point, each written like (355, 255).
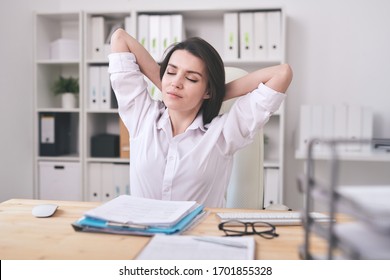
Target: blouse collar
(165, 123)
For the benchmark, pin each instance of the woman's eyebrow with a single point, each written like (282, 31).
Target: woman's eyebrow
(188, 71)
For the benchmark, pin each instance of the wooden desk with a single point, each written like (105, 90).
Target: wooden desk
(23, 236)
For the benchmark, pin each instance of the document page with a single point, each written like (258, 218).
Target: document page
(368, 203)
(375, 199)
(186, 247)
(362, 240)
(142, 211)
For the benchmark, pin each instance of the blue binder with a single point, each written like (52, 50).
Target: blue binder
(88, 224)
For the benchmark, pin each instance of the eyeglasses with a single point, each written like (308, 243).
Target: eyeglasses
(238, 228)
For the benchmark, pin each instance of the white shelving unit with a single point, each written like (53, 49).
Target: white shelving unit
(87, 122)
(51, 120)
(101, 173)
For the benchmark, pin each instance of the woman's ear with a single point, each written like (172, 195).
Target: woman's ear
(206, 95)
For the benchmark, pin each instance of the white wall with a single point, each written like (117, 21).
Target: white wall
(339, 51)
(16, 107)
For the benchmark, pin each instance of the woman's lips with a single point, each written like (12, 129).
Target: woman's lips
(173, 94)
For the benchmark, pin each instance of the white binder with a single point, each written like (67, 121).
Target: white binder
(367, 127)
(143, 31)
(230, 23)
(107, 181)
(340, 124)
(121, 179)
(105, 88)
(108, 190)
(177, 29)
(155, 45)
(97, 31)
(47, 129)
(165, 32)
(317, 125)
(328, 121)
(260, 35)
(274, 25)
(128, 25)
(94, 182)
(93, 87)
(304, 127)
(354, 129)
(246, 36)
(271, 186)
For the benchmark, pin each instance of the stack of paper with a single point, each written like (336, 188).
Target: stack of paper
(368, 235)
(362, 242)
(369, 204)
(163, 247)
(139, 216)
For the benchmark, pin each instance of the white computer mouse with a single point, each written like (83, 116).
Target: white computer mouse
(44, 210)
(277, 207)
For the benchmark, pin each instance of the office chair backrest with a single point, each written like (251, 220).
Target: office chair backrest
(245, 189)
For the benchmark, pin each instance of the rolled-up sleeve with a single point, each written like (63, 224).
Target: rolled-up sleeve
(248, 115)
(130, 89)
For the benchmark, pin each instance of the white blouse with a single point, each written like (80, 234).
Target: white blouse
(195, 165)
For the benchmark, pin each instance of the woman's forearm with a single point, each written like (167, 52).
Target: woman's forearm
(123, 42)
(276, 77)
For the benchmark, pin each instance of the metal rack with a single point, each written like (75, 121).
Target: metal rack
(330, 193)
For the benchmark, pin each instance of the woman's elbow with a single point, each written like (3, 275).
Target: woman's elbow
(285, 76)
(118, 41)
(287, 72)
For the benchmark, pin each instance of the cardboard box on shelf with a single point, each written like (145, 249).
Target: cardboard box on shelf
(124, 140)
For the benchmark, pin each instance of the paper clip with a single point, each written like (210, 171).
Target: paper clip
(129, 226)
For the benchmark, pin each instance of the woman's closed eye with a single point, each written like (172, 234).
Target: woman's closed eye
(189, 78)
(194, 80)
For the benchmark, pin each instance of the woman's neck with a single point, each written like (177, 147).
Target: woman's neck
(180, 121)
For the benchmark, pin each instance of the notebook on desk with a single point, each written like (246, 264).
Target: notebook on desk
(179, 247)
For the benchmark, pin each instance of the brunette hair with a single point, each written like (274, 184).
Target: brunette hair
(215, 73)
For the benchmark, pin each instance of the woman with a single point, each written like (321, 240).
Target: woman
(181, 149)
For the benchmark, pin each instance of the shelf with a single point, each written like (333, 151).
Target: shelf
(97, 61)
(70, 158)
(59, 17)
(107, 111)
(53, 26)
(57, 62)
(58, 110)
(373, 156)
(271, 163)
(46, 75)
(253, 63)
(113, 160)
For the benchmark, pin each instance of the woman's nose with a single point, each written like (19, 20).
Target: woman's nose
(177, 82)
